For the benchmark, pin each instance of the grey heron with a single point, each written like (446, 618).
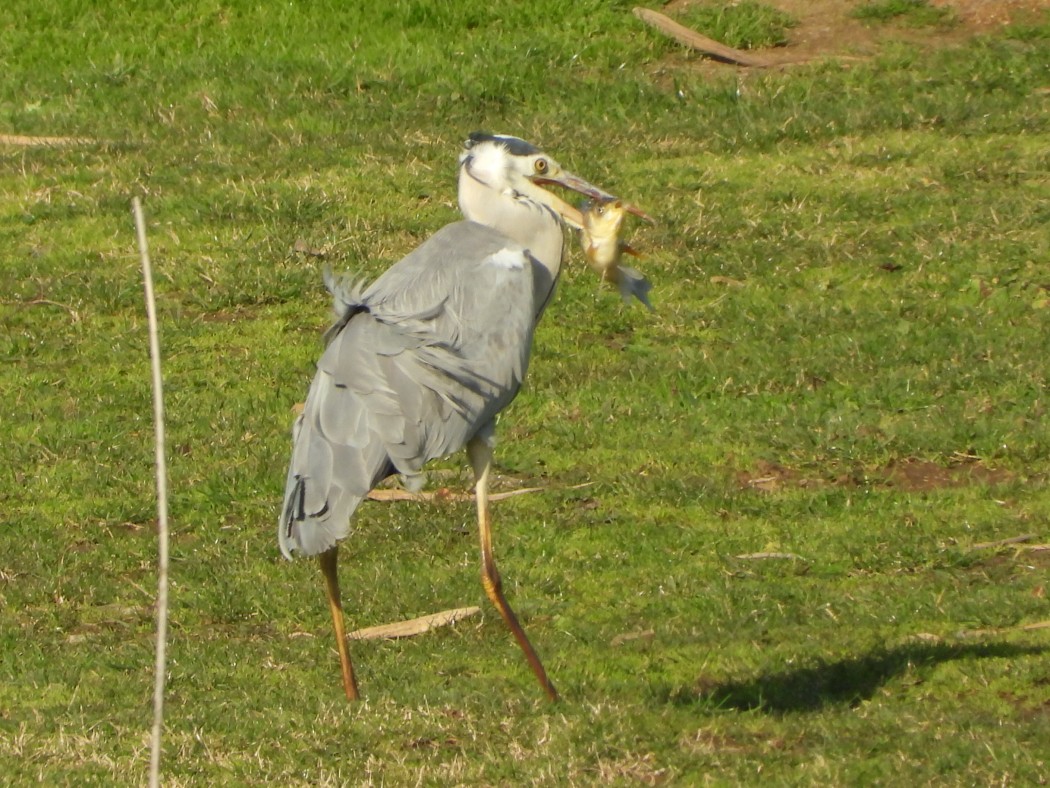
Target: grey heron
(418, 364)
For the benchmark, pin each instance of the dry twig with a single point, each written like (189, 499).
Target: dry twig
(415, 626)
(627, 637)
(21, 141)
(1003, 542)
(444, 494)
(966, 634)
(162, 500)
(976, 633)
(770, 556)
(47, 302)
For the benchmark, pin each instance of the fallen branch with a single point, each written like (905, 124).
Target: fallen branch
(976, 633)
(445, 494)
(21, 141)
(47, 302)
(693, 40)
(966, 634)
(763, 482)
(415, 626)
(1003, 542)
(389, 496)
(728, 281)
(627, 637)
(770, 556)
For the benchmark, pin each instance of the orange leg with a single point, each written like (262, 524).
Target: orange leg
(480, 453)
(329, 560)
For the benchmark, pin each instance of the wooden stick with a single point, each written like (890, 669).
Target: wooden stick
(1003, 542)
(448, 495)
(693, 40)
(43, 142)
(159, 669)
(769, 556)
(976, 633)
(415, 626)
(47, 302)
(627, 637)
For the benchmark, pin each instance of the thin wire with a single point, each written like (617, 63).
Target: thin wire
(160, 668)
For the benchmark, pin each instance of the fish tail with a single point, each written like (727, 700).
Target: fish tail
(633, 284)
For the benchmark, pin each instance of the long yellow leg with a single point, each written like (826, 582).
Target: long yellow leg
(480, 453)
(329, 560)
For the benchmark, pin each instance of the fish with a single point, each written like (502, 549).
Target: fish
(603, 248)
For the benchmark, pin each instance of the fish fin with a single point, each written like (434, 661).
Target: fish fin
(626, 248)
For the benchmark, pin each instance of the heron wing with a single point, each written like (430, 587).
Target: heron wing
(416, 365)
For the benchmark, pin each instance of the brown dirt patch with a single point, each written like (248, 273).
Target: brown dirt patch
(983, 14)
(919, 475)
(827, 30)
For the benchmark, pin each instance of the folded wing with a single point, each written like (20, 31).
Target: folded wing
(415, 366)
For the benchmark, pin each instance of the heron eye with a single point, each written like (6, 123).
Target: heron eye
(540, 166)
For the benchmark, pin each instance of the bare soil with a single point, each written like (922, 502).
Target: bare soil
(827, 29)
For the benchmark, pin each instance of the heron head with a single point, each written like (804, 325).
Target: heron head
(511, 165)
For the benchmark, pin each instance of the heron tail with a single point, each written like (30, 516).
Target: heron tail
(327, 480)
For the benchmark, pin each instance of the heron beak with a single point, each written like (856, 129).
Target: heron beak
(577, 184)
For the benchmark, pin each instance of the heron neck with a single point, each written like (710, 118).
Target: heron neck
(523, 221)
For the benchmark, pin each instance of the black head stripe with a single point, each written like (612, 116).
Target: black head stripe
(515, 145)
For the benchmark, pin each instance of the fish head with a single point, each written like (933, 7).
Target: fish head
(603, 218)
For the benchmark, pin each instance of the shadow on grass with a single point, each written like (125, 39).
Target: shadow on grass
(844, 682)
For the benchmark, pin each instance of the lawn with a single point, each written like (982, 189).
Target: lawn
(792, 527)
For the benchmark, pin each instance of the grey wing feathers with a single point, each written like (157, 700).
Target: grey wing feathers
(415, 366)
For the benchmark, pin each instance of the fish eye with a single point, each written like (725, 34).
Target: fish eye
(600, 210)
(541, 166)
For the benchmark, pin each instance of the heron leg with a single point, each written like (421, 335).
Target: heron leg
(480, 452)
(329, 560)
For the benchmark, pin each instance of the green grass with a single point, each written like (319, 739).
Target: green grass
(916, 13)
(850, 272)
(742, 25)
